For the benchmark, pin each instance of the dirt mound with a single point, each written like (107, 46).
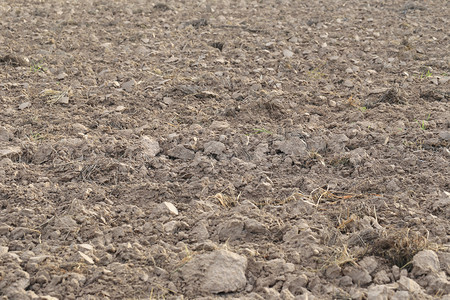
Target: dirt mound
(225, 149)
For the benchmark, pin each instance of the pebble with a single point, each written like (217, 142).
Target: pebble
(288, 53)
(294, 146)
(128, 86)
(219, 125)
(10, 152)
(79, 128)
(359, 275)
(425, 262)
(181, 152)
(150, 146)
(444, 257)
(445, 135)
(214, 147)
(220, 271)
(378, 292)
(381, 277)
(401, 295)
(3, 250)
(87, 258)
(5, 134)
(172, 209)
(369, 263)
(24, 105)
(407, 284)
(86, 247)
(348, 83)
(171, 226)
(120, 108)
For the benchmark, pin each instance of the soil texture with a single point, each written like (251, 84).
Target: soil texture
(269, 149)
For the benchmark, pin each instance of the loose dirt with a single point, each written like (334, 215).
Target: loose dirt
(269, 149)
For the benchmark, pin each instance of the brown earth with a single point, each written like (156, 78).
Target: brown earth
(271, 149)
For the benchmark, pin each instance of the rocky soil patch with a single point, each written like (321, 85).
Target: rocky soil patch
(270, 149)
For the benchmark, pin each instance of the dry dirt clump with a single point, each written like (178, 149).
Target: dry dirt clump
(224, 149)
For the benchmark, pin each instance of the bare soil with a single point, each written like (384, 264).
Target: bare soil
(272, 149)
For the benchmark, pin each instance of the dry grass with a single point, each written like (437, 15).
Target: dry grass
(343, 256)
(399, 246)
(325, 195)
(227, 201)
(187, 258)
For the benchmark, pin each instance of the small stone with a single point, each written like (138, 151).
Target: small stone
(434, 80)
(38, 259)
(220, 271)
(345, 281)
(377, 292)
(396, 272)
(322, 98)
(333, 58)
(333, 271)
(150, 146)
(381, 277)
(47, 298)
(219, 125)
(10, 152)
(18, 280)
(79, 128)
(5, 135)
(3, 250)
(128, 86)
(446, 152)
(297, 284)
(369, 263)
(120, 108)
(437, 283)
(407, 284)
(173, 210)
(286, 295)
(255, 227)
(195, 127)
(332, 103)
(444, 258)
(121, 231)
(86, 247)
(425, 262)
(359, 275)
(401, 295)
(214, 147)
(270, 293)
(200, 231)
(171, 226)
(294, 146)
(348, 83)
(237, 96)
(404, 272)
(167, 100)
(86, 258)
(24, 105)
(181, 152)
(358, 156)
(61, 76)
(288, 53)
(445, 135)
(65, 222)
(230, 230)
